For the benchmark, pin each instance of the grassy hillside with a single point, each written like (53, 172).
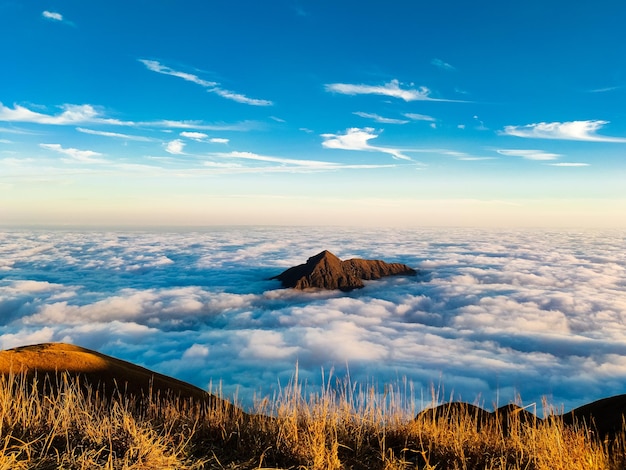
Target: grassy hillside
(73, 425)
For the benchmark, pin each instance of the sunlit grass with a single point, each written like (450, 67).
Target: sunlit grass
(338, 426)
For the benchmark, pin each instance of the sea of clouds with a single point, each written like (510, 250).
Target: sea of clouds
(492, 317)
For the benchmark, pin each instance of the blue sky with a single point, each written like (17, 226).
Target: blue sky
(303, 112)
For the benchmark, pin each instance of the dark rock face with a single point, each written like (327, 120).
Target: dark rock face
(326, 271)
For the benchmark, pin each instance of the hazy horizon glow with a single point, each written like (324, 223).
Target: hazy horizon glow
(309, 113)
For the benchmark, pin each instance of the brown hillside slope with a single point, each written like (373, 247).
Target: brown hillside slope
(98, 370)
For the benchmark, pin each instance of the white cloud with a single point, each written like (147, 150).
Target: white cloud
(419, 117)
(463, 156)
(196, 351)
(286, 164)
(175, 147)
(239, 98)
(391, 89)
(571, 130)
(569, 164)
(250, 162)
(280, 160)
(358, 139)
(268, 345)
(26, 337)
(605, 89)
(442, 65)
(72, 114)
(84, 156)
(198, 136)
(202, 137)
(114, 135)
(380, 119)
(242, 126)
(157, 67)
(529, 154)
(52, 15)
(212, 87)
(87, 114)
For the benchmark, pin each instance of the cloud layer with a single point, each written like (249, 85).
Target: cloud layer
(493, 315)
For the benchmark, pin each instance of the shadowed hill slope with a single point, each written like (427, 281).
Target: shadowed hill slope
(327, 271)
(605, 417)
(458, 412)
(105, 373)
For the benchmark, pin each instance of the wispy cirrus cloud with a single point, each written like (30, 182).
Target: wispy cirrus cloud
(76, 114)
(115, 135)
(52, 15)
(419, 117)
(239, 98)
(442, 65)
(569, 164)
(462, 155)
(605, 89)
(242, 126)
(278, 164)
(197, 136)
(71, 114)
(569, 130)
(212, 87)
(157, 67)
(56, 17)
(202, 137)
(280, 160)
(358, 139)
(529, 154)
(392, 89)
(380, 119)
(83, 156)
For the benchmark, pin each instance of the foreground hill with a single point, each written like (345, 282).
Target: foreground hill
(327, 271)
(102, 372)
(106, 373)
(69, 426)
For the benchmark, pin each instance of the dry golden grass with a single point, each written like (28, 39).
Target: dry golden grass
(73, 426)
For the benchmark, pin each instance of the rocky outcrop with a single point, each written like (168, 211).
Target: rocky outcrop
(327, 271)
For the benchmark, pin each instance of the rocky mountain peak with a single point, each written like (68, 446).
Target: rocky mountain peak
(327, 271)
